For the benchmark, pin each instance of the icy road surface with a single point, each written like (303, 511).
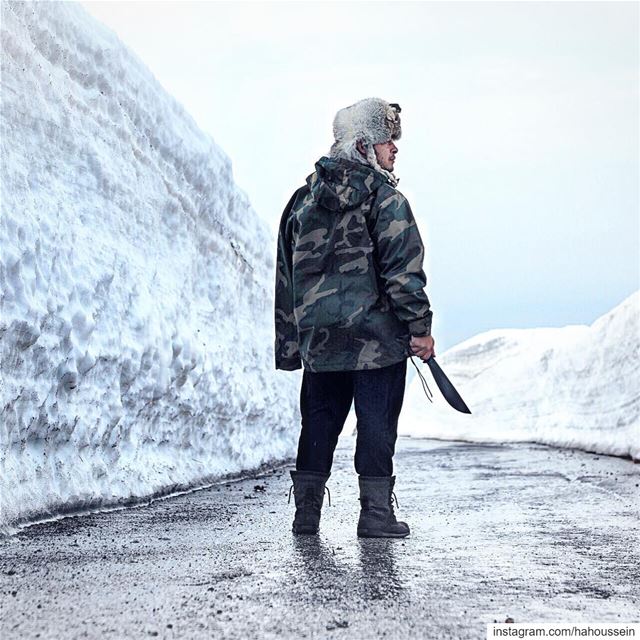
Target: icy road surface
(521, 531)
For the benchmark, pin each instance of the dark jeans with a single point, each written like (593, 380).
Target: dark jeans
(325, 400)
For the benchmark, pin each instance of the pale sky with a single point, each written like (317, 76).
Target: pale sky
(520, 147)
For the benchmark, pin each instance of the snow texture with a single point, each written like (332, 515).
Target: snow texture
(576, 386)
(136, 333)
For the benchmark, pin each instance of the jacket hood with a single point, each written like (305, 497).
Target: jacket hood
(339, 185)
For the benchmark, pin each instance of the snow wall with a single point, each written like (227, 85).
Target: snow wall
(135, 284)
(576, 386)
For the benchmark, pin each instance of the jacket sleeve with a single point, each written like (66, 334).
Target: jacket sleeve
(400, 254)
(286, 344)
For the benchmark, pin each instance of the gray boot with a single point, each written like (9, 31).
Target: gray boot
(308, 491)
(377, 519)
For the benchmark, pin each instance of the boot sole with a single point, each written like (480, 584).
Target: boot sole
(381, 534)
(308, 531)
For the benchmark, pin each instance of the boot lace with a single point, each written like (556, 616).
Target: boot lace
(326, 489)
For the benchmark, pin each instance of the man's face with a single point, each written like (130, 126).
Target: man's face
(386, 154)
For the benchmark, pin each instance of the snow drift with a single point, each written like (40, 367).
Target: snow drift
(577, 386)
(135, 281)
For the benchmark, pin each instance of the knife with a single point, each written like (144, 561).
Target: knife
(447, 389)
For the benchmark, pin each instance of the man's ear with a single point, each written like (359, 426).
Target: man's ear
(361, 148)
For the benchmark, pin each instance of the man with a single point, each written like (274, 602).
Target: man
(350, 307)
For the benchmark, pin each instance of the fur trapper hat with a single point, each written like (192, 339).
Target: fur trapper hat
(371, 120)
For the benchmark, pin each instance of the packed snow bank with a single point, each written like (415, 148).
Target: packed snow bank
(135, 280)
(578, 386)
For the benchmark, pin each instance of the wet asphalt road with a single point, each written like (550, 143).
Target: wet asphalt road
(521, 531)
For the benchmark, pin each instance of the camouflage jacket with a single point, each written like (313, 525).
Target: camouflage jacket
(349, 281)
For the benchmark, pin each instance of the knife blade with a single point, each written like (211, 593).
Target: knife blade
(447, 389)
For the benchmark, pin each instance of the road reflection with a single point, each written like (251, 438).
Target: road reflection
(380, 578)
(371, 573)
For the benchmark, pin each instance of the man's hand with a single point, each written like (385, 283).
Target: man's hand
(423, 347)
